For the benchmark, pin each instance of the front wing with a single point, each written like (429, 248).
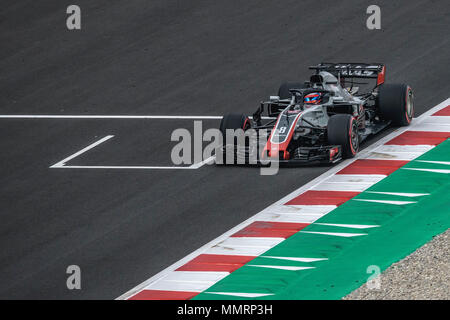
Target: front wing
(239, 155)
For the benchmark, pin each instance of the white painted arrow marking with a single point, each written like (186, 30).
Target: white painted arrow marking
(296, 259)
(337, 234)
(398, 203)
(289, 268)
(355, 226)
(401, 194)
(242, 294)
(437, 162)
(428, 170)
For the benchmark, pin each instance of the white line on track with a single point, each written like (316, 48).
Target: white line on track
(62, 164)
(129, 167)
(99, 116)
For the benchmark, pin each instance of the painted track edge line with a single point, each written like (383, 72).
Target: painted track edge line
(62, 163)
(105, 116)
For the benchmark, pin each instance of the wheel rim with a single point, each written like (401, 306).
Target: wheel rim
(354, 138)
(409, 105)
(246, 125)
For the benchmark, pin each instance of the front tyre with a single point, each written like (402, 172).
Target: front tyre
(233, 121)
(396, 103)
(343, 130)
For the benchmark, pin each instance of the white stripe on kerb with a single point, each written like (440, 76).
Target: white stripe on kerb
(438, 120)
(348, 182)
(192, 281)
(432, 127)
(301, 209)
(398, 152)
(244, 246)
(289, 217)
(356, 178)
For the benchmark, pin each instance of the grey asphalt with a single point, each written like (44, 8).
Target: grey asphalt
(163, 57)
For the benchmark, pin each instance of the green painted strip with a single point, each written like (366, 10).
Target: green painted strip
(403, 228)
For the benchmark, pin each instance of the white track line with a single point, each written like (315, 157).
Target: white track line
(280, 202)
(202, 163)
(127, 167)
(55, 116)
(62, 164)
(99, 116)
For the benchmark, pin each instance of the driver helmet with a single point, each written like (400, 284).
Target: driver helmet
(313, 98)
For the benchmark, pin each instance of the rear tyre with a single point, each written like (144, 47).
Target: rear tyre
(283, 91)
(343, 130)
(396, 103)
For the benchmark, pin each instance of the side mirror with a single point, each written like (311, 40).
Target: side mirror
(274, 98)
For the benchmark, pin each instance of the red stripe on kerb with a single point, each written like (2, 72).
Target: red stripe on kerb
(443, 112)
(314, 197)
(270, 229)
(215, 262)
(367, 166)
(163, 295)
(420, 138)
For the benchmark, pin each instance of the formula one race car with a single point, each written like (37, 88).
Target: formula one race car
(321, 120)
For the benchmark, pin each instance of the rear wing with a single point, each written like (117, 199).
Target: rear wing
(354, 70)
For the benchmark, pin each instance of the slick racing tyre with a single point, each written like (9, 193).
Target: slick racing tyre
(283, 91)
(343, 130)
(232, 121)
(396, 103)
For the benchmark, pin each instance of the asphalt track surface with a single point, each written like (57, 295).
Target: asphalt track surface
(163, 58)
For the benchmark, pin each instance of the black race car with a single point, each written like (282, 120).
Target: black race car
(321, 120)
